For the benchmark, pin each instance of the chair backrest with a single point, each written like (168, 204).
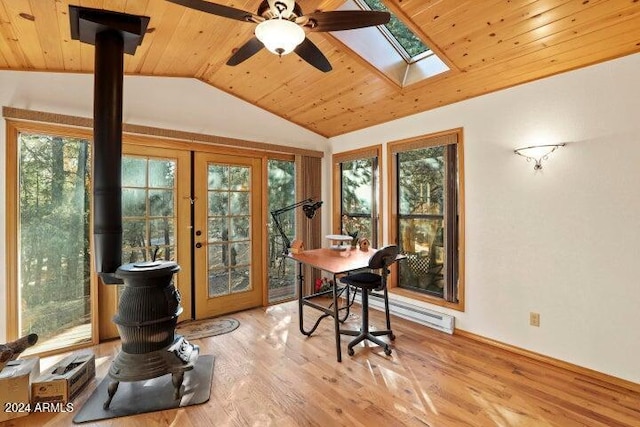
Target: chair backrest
(384, 257)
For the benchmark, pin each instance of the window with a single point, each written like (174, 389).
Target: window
(281, 193)
(401, 37)
(393, 49)
(427, 213)
(356, 194)
(49, 269)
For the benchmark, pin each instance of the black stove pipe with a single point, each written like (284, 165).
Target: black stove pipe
(107, 165)
(113, 35)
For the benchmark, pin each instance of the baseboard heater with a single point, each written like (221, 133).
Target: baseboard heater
(424, 316)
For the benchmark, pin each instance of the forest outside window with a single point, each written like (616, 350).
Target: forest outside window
(426, 197)
(49, 275)
(356, 194)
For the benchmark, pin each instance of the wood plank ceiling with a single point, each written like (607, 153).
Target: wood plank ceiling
(489, 45)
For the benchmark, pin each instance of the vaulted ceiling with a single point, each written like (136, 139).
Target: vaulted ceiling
(488, 45)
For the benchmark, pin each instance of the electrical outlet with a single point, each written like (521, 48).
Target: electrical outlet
(534, 319)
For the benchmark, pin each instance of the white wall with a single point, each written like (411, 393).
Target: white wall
(172, 103)
(562, 242)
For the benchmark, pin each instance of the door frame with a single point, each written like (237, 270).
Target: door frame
(204, 306)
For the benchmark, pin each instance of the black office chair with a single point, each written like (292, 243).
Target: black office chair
(366, 282)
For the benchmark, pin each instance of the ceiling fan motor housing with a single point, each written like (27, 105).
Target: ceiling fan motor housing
(285, 9)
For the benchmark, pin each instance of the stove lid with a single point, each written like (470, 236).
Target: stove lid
(148, 269)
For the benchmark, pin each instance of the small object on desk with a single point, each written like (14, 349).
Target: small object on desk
(297, 247)
(364, 244)
(341, 239)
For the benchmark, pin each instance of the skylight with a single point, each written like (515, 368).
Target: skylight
(403, 39)
(393, 49)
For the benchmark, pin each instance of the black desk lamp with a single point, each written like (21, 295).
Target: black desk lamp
(309, 207)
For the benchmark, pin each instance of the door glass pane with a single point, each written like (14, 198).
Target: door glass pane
(238, 203)
(218, 177)
(239, 228)
(281, 194)
(161, 173)
(217, 229)
(54, 276)
(229, 236)
(239, 178)
(421, 194)
(218, 202)
(160, 203)
(134, 172)
(239, 279)
(134, 202)
(161, 233)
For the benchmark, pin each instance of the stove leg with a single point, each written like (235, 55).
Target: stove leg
(113, 387)
(177, 379)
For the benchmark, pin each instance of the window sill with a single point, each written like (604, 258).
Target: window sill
(418, 296)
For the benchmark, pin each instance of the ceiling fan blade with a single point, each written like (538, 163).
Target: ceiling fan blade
(339, 20)
(310, 53)
(216, 9)
(245, 52)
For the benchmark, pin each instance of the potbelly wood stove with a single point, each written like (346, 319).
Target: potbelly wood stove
(146, 320)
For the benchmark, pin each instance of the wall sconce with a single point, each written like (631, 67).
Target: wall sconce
(537, 153)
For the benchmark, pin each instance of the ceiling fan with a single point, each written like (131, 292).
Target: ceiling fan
(281, 27)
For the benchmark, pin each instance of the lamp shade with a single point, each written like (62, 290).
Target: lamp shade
(280, 36)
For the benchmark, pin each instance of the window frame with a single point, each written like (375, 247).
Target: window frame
(13, 130)
(373, 151)
(267, 208)
(393, 40)
(456, 232)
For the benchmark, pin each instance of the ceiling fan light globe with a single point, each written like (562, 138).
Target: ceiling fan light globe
(280, 36)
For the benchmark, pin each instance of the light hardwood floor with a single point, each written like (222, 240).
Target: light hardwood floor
(268, 374)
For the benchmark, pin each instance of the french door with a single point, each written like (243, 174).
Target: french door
(228, 233)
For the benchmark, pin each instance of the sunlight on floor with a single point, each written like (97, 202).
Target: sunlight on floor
(72, 336)
(500, 414)
(422, 394)
(279, 333)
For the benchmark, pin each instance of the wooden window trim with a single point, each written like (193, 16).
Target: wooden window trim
(13, 129)
(438, 138)
(345, 156)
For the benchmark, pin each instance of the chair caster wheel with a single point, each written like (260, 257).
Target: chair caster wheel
(392, 337)
(387, 351)
(351, 352)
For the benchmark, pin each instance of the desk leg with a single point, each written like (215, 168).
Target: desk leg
(301, 299)
(348, 304)
(336, 318)
(327, 311)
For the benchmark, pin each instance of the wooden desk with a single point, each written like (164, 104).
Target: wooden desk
(334, 262)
